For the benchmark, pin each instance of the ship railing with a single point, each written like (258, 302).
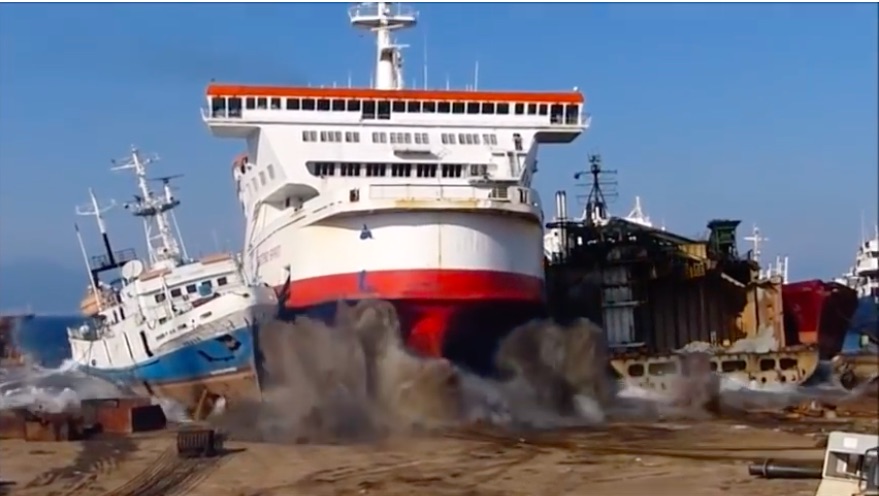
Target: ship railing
(451, 192)
(99, 262)
(369, 10)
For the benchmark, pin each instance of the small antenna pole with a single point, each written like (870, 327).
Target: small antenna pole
(476, 77)
(216, 240)
(95, 210)
(863, 229)
(425, 59)
(85, 258)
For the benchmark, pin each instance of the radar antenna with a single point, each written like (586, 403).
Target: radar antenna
(601, 190)
(164, 247)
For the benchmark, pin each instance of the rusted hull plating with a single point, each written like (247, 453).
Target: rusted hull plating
(792, 365)
(200, 396)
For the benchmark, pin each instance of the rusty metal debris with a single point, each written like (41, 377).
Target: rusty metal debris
(659, 295)
(124, 415)
(110, 416)
(199, 443)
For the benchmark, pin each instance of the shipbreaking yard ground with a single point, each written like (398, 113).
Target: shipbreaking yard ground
(706, 457)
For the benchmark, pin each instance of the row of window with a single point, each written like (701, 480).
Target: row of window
(353, 169)
(382, 109)
(400, 138)
(192, 289)
(468, 139)
(331, 136)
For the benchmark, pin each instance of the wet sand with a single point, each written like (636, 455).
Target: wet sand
(704, 458)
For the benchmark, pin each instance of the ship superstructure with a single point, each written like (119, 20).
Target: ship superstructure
(174, 326)
(864, 274)
(420, 197)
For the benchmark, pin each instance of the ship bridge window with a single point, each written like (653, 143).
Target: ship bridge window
(421, 139)
(541, 110)
(353, 105)
(218, 106)
(503, 108)
(323, 104)
(458, 108)
(160, 297)
(309, 135)
(473, 108)
(572, 114)
(487, 108)
(262, 103)
(275, 103)
(368, 109)
(448, 138)
(443, 107)
(308, 104)
(262, 178)
(398, 107)
(352, 137)
(191, 288)
(176, 293)
(235, 107)
(532, 110)
(250, 103)
(383, 109)
(556, 113)
(519, 108)
(413, 107)
(292, 104)
(222, 281)
(428, 107)
(489, 139)
(338, 105)
(270, 169)
(379, 137)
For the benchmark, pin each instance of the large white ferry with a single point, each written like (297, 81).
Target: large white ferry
(175, 326)
(421, 197)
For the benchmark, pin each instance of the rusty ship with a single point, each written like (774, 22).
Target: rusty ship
(659, 295)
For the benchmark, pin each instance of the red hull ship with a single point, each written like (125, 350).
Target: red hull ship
(818, 312)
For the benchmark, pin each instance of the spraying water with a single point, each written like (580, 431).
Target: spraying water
(356, 381)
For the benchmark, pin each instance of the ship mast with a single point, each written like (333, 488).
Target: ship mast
(756, 239)
(595, 212)
(379, 18)
(163, 245)
(95, 210)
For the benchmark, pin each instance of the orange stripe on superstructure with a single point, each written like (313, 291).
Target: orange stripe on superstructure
(359, 93)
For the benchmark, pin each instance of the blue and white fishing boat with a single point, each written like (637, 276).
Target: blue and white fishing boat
(170, 326)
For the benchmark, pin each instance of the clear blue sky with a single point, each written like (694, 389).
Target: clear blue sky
(762, 112)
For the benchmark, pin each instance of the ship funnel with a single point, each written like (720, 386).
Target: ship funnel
(561, 205)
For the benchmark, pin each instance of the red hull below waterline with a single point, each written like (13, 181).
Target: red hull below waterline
(456, 314)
